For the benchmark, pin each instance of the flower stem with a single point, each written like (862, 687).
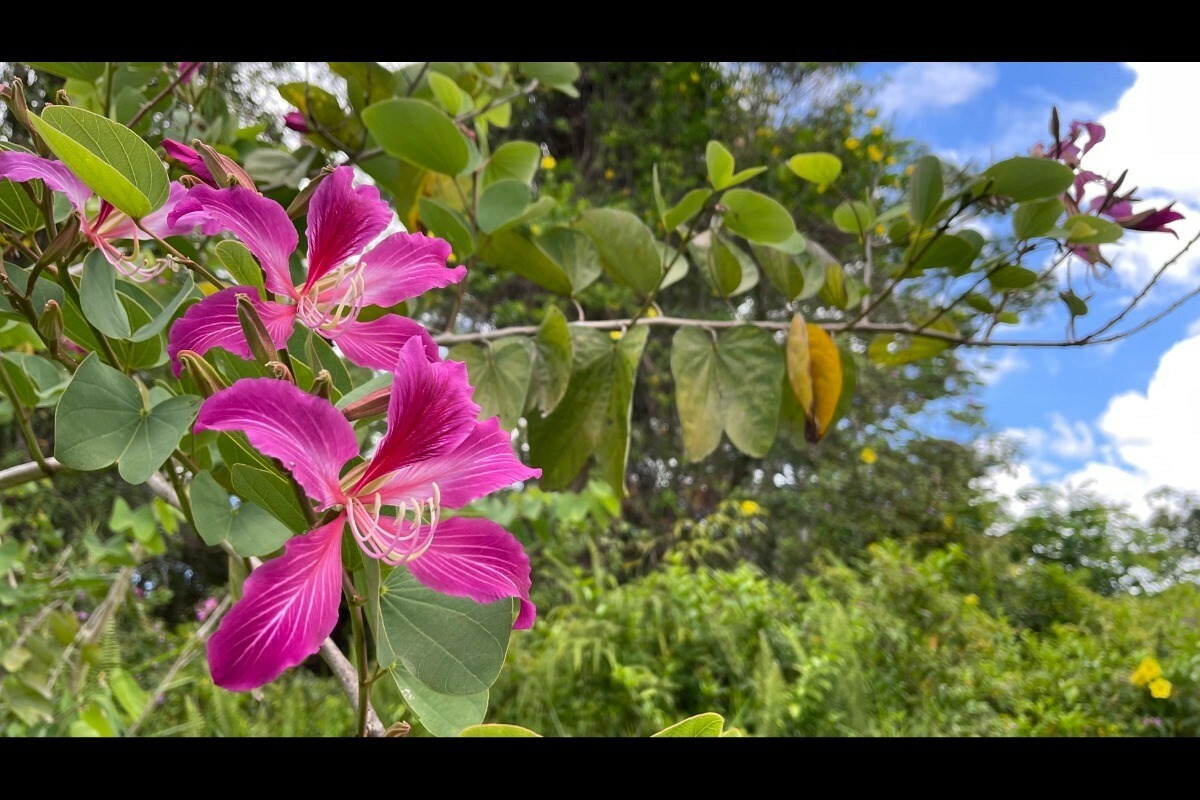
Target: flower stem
(360, 650)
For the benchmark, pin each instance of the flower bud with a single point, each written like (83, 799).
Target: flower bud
(208, 381)
(63, 244)
(256, 333)
(299, 205)
(296, 121)
(224, 170)
(374, 404)
(280, 371)
(50, 322)
(62, 98)
(17, 104)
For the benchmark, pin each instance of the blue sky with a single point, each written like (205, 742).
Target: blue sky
(1117, 417)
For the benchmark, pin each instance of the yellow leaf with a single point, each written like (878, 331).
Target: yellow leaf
(814, 368)
(798, 364)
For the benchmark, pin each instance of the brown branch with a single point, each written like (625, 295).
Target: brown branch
(29, 471)
(153, 101)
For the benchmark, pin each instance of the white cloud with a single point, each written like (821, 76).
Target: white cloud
(992, 367)
(1072, 440)
(919, 86)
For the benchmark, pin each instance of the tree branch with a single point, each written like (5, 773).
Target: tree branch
(29, 471)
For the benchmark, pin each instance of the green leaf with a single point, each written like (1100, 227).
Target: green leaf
(99, 299)
(729, 270)
(729, 384)
(686, 208)
(834, 291)
(948, 250)
(893, 349)
(626, 247)
(500, 372)
(1024, 178)
(156, 325)
(553, 362)
(516, 161)
(1075, 303)
(17, 210)
(449, 94)
(701, 725)
(757, 217)
(443, 221)
(720, 164)
(1088, 229)
(820, 168)
(111, 159)
(574, 253)
(1011, 276)
(511, 250)
(500, 203)
(420, 133)
(441, 714)
(678, 264)
(925, 188)
(238, 259)
(593, 416)
(128, 694)
(853, 217)
(496, 730)
(251, 530)
(103, 419)
(79, 70)
(271, 491)
(781, 269)
(551, 73)
(269, 165)
(1036, 217)
(451, 644)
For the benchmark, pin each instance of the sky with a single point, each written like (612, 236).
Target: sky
(1119, 419)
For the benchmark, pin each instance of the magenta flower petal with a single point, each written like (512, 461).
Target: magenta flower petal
(190, 159)
(430, 411)
(476, 558)
(305, 432)
(405, 265)
(376, 344)
(296, 121)
(260, 223)
(159, 221)
(188, 69)
(22, 167)
(213, 322)
(342, 220)
(483, 463)
(288, 607)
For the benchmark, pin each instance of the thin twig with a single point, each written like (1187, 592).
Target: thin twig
(153, 101)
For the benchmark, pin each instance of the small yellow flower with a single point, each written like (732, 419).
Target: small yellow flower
(890, 160)
(450, 259)
(695, 76)
(851, 143)
(910, 169)
(651, 312)
(535, 229)
(872, 113)
(879, 231)
(683, 88)
(972, 599)
(821, 188)
(1160, 688)
(616, 335)
(1146, 672)
(947, 521)
(875, 153)
(776, 150)
(848, 108)
(549, 162)
(868, 455)
(877, 130)
(749, 507)
(609, 174)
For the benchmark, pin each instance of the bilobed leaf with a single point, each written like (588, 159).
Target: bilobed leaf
(1024, 178)
(111, 159)
(626, 247)
(552, 370)
(236, 258)
(500, 372)
(757, 217)
(98, 296)
(1036, 217)
(156, 325)
(453, 645)
(731, 384)
(511, 250)
(441, 714)
(512, 161)
(102, 419)
(498, 730)
(443, 221)
(853, 217)
(781, 269)
(820, 168)
(270, 491)
(701, 725)
(574, 253)
(449, 94)
(727, 268)
(17, 210)
(421, 133)
(250, 530)
(814, 369)
(501, 202)
(925, 188)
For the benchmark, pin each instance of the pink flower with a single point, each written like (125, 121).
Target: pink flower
(296, 121)
(194, 162)
(108, 225)
(205, 608)
(188, 69)
(435, 455)
(342, 221)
